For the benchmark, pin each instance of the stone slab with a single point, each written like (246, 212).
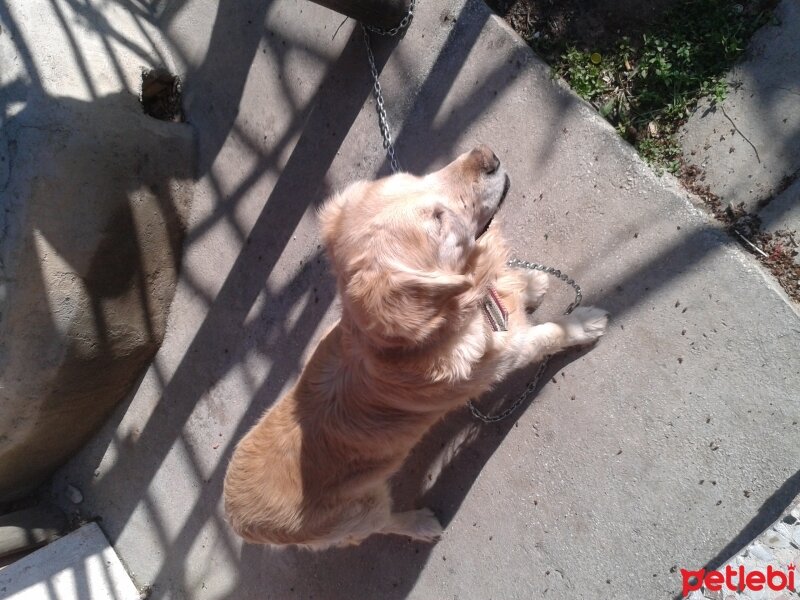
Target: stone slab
(80, 566)
(94, 198)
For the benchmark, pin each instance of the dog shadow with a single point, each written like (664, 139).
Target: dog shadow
(438, 474)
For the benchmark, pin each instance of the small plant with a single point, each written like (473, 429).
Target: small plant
(647, 87)
(661, 153)
(586, 78)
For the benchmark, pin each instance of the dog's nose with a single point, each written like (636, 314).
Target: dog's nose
(486, 159)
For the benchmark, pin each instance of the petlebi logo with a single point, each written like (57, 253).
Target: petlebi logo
(738, 579)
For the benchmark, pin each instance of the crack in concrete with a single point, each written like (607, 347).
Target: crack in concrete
(785, 184)
(11, 147)
(785, 89)
(746, 139)
(53, 128)
(4, 222)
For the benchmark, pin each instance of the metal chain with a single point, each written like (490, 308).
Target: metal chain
(401, 26)
(531, 387)
(383, 123)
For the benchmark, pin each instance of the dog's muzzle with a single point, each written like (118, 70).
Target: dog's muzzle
(506, 187)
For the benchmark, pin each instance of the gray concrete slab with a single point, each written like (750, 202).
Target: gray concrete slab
(94, 198)
(777, 548)
(669, 445)
(749, 144)
(27, 529)
(79, 566)
(783, 212)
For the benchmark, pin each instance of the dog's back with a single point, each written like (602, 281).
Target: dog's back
(318, 459)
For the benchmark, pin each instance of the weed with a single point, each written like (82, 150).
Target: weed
(647, 86)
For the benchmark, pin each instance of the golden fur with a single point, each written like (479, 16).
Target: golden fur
(412, 344)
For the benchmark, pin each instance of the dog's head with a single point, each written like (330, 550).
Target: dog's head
(401, 246)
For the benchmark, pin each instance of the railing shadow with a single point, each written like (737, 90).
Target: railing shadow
(95, 228)
(248, 317)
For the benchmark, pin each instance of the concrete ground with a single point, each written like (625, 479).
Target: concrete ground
(777, 548)
(748, 146)
(670, 445)
(82, 565)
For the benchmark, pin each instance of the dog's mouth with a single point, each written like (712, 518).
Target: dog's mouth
(504, 193)
(506, 187)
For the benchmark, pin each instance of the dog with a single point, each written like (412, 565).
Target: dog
(431, 317)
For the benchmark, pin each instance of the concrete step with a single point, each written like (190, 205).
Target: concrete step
(24, 530)
(79, 566)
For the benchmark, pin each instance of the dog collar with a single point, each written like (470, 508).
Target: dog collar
(495, 311)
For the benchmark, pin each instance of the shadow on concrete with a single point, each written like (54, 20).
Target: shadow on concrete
(94, 221)
(769, 512)
(455, 451)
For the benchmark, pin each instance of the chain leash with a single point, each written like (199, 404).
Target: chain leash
(531, 387)
(401, 26)
(383, 123)
(388, 146)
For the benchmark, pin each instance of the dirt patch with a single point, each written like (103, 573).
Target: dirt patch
(643, 66)
(777, 251)
(587, 24)
(161, 95)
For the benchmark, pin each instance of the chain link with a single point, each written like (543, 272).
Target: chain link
(531, 387)
(401, 26)
(383, 122)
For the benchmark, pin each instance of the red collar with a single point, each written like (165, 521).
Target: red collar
(494, 310)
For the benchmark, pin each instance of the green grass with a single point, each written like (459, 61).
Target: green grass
(646, 86)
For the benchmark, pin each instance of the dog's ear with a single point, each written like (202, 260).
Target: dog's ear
(435, 285)
(404, 308)
(331, 217)
(330, 220)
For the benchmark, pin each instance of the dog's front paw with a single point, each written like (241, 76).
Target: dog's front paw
(536, 284)
(424, 526)
(419, 525)
(584, 325)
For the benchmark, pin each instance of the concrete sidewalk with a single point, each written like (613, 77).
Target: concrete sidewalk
(670, 445)
(749, 145)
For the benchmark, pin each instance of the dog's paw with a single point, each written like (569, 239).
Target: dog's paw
(419, 525)
(424, 526)
(585, 325)
(536, 284)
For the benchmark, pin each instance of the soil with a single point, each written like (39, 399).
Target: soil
(777, 251)
(161, 95)
(590, 25)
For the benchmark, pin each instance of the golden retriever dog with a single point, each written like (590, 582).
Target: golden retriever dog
(431, 317)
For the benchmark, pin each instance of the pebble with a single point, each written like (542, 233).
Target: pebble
(74, 495)
(759, 552)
